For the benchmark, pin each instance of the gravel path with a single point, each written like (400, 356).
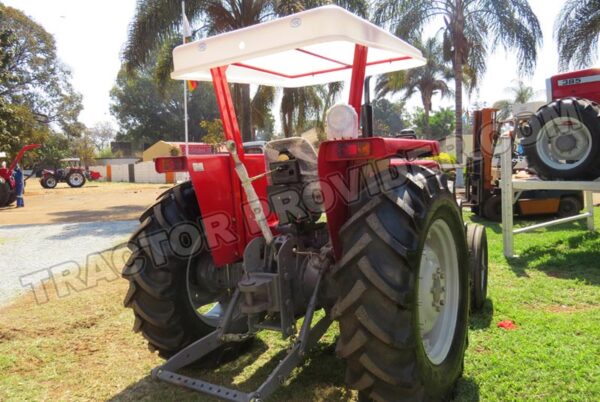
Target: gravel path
(25, 249)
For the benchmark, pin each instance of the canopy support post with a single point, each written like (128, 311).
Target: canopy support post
(358, 77)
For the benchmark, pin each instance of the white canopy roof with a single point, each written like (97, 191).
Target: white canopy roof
(307, 48)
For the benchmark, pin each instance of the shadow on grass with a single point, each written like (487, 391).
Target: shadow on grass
(467, 390)
(574, 257)
(482, 319)
(320, 378)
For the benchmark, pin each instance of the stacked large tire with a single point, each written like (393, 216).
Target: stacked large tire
(379, 279)
(159, 293)
(562, 141)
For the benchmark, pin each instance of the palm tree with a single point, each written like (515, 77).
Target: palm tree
(156, 25)
(521, 93)
(428, 80)
(577, 31)
(470, 28)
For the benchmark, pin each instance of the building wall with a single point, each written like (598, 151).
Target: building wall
(160, 148)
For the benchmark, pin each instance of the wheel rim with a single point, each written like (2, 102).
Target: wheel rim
(208, 305)
(76, 179)
(564, 143)
(50, 182)
(438, 292)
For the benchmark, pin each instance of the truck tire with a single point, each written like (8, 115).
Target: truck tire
(564, 140)
(4, 193)
(75, 179)
(401, 248)
(478, 264)
(171, 304)
(49, 182)
(492, 208)
(569, 205)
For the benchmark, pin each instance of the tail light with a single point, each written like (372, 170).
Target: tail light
(171, 164)
(353, 149)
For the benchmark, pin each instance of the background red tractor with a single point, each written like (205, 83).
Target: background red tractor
(562, 141)
(7, 181)
(363, 230)
(72, 173)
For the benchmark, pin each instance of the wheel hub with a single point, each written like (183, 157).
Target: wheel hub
(564, 143)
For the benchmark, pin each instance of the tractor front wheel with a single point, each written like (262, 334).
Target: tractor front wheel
(404, 292)
(48, 182)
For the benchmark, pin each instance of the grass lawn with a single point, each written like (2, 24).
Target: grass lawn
(81, 347)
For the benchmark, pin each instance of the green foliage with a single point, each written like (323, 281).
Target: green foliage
(389, 118)
(175, 151)
(55, 147)
(83, 148)
(32, 75)
(445, 158)
(520, 92)
(577, 31)
(214, 132)
(440, 123)
(105, 153)
(147, 113)
(428, 80)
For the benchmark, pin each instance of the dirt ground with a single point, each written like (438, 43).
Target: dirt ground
(94, 202)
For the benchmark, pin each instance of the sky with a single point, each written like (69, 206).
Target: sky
(90, 35)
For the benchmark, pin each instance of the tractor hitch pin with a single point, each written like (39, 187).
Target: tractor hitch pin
(255, 205)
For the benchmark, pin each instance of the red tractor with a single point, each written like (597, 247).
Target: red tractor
(562, 141)
(364, 230)
(7, 181)
(73, 174)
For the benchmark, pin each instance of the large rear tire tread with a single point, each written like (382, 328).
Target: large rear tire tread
(588, 113)
(377, 278)
(158, 295)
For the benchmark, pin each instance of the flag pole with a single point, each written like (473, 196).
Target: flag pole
(185, 89)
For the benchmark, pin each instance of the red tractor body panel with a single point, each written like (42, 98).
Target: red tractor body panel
(228, 221)
(580, 84)
(337, 159)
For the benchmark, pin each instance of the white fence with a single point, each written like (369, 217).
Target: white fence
(142, 172)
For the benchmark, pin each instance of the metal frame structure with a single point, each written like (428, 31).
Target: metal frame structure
(510, 194)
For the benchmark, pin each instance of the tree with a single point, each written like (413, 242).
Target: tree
(521, 93)
(101, 134)
(577, 30)
(33, 76)
(147, 113)
(440, 123)
(388, 117)
(470, 28)
(156, 28)
(429, 80)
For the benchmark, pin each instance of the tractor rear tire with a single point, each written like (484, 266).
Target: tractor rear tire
(75, 179)
(4, 193)
(569, 206)
(381, 286)
(564, 140)
(49, 182)
(478, 263)
(161, 293)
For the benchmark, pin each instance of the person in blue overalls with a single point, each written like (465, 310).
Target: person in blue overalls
(19, 186)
